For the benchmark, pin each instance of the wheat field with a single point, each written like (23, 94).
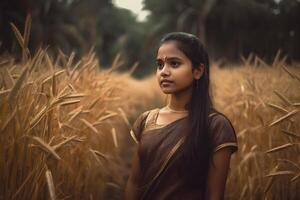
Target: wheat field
(64, 126)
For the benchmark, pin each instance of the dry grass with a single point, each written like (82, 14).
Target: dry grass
(263, 104)
(64, 126)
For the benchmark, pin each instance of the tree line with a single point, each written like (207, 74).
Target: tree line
(228, 28)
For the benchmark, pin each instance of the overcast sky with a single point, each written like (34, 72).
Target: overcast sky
(134, 5)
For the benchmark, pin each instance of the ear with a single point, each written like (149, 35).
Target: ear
(198, 71)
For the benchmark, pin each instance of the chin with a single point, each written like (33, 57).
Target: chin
(174, 91)
(167, 91)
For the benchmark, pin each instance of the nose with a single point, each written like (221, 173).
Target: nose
(165, 70)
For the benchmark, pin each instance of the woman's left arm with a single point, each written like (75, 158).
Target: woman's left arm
(217, 174)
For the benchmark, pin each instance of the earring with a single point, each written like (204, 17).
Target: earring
(197, 83)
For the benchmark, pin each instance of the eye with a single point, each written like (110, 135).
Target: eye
(174, 63)
(159, 64)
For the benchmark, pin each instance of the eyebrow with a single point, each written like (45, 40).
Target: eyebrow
(170, 58)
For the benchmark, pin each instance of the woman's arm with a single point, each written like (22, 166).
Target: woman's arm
(217, 174)
(131, 190)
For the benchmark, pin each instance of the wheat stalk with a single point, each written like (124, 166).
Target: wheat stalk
(50, 184)
(279, 148)
(46, 147)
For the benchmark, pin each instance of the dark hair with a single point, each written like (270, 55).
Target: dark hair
(197, 148)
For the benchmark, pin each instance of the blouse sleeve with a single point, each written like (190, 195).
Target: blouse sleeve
(138, 126)
(223, 134)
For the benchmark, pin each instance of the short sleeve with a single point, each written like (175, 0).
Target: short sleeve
(138, 126)
(223, 133)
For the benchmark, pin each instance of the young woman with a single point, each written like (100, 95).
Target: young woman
(184, 148)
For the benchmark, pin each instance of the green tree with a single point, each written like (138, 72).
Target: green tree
(230, 28)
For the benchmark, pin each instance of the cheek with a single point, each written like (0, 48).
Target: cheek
(185, 76)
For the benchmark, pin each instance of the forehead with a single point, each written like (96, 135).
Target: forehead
(169, 49)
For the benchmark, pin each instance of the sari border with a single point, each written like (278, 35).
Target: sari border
(151, 125)
(227, 144)
(133, 136)
(150, 118)
(163, 166)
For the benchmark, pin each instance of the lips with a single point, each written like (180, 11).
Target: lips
(165, 81)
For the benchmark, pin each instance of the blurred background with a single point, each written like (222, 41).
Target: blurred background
(229, 28)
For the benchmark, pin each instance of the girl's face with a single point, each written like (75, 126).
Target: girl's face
(174, 70)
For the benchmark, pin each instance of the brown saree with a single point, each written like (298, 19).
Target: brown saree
(161, 144)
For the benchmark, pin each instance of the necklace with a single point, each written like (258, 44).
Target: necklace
(176, 111)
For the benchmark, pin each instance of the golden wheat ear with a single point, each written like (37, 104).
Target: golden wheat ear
(116, 63)
(23, 40)
(133, 68)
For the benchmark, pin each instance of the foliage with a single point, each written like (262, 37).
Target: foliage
(229, 28)
(232, 27)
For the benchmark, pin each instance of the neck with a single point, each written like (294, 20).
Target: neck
(179, 100)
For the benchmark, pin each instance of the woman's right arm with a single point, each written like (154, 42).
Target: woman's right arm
(131, 190)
